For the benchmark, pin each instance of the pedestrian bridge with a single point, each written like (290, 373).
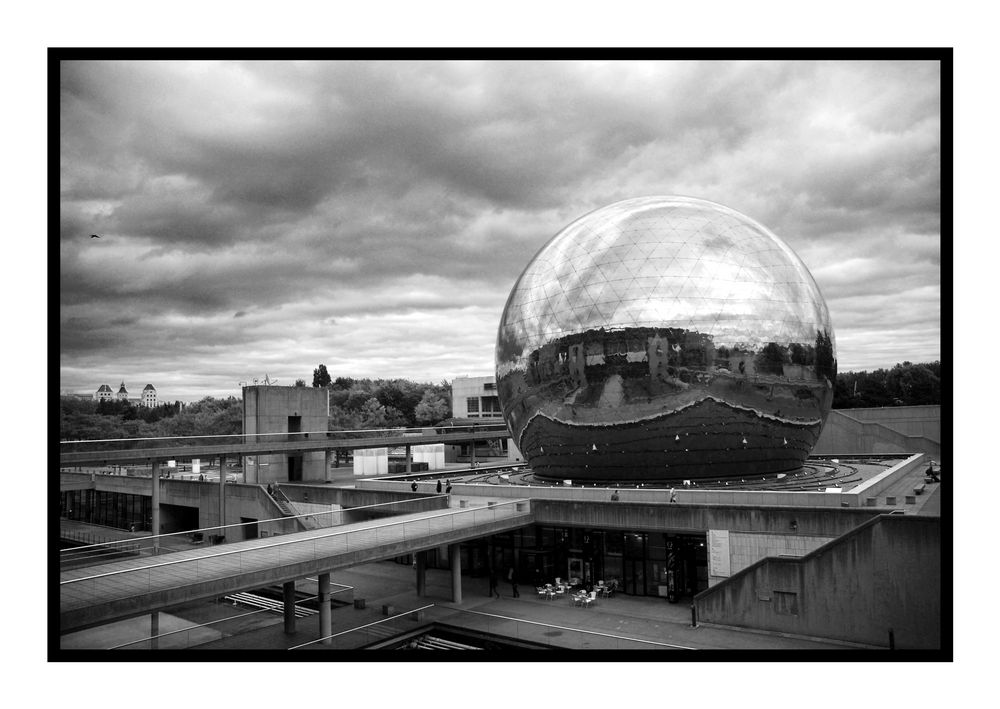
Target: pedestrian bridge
(100, 594)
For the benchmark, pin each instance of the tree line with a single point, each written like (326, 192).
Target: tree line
(906, 384)
(391, 403)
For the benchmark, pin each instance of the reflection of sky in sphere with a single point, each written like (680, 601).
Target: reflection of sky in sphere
(666, 262)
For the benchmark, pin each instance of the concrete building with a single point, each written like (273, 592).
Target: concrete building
(852, 554)
(149, 396)
(282, 413)
(475, 398)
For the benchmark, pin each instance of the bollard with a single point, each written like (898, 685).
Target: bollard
(694, 616)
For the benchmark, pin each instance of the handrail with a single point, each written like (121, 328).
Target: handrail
(188, 532)
(575, 630)
(285, 542)
(362, 627)
(404, 429)
(344, 587)
(188, 628)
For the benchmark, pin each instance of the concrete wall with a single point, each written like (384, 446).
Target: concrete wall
(881, 431)
(746, 548)
(266, 410)
(886, 574)
(701, 518)
(371, 461)
(909, 420)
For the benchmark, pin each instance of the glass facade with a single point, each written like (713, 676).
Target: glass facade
(109, 509)
(671, 566)
(665, 338)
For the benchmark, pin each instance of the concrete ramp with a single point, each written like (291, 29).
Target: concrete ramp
(99, 594)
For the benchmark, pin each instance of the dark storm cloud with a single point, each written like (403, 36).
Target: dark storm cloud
(286, 213)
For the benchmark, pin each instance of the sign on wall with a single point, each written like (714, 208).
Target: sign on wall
(718, 552)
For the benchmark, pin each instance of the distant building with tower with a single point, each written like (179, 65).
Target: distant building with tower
(148, 397)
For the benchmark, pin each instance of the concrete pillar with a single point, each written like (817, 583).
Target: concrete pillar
(154, 630)
(222, 495)
(288, 596)
(326, 464)
(421, 573)
(409, 459)
(472, 452)
(325, 621)
(455, 561)
(155, 474)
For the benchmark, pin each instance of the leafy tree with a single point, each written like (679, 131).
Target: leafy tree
(321, 377)
(432, 408)
(300, 382)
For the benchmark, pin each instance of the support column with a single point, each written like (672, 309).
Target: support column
(222, 495)
(421, 573)
(288, 596)
(156, 506)
(472, 451)
(154, 630)
(409, 459)
(325, 620)
(455, 561)
(326, 464)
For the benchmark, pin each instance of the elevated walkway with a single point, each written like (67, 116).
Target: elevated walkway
(100, 594)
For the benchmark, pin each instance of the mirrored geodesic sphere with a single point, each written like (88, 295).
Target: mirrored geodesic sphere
(665, 338)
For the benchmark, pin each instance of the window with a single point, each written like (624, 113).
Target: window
(472, 404)
(489, 386)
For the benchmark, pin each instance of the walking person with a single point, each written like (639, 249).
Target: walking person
(439, 487)
(413, 486)
(512, 577)
(493, 584)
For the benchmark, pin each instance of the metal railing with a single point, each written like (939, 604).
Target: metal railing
(368, 633)
(108, 444)
(537, 632)
(193, 635)
(305, 547)
(167, 543)
(501, 626)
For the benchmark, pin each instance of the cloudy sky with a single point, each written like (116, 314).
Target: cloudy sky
(261, 218)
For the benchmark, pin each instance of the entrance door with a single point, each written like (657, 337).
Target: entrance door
(294, 468)
(250, 530)
(635, 577)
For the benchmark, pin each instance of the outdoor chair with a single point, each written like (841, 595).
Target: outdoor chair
(590, 598)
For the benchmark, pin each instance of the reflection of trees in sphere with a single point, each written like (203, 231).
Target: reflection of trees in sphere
(665, 338)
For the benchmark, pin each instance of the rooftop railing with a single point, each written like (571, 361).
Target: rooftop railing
(114, 444)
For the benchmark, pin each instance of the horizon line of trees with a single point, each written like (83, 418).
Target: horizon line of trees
(390, 403)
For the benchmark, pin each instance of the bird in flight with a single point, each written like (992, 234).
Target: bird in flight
(94, 236)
